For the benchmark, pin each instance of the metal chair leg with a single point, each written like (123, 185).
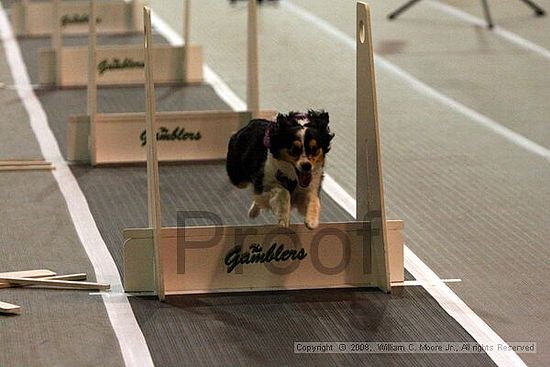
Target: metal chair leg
(487, 13)
(401, 9)
(538, 10)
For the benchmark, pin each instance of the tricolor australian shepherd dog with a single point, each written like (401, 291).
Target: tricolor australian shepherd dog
(283, 160)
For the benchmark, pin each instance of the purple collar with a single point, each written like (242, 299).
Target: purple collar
(267, 134)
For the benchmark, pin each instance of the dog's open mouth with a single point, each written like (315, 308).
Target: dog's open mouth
(304, 178)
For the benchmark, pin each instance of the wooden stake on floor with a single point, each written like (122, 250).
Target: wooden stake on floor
(26, 168)
(78, 276)
(9, 308)
(24, 162)
(38, 273)
(25, 165)
(54, 283)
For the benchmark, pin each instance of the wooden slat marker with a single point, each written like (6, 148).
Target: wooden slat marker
(78, 276)
(23, 162)
(39, 273)
(25, 165)
(54, 283)
(8, 308)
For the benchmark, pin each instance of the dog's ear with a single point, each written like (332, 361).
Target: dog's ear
(277, 133)
(283, 121)
(319, 120)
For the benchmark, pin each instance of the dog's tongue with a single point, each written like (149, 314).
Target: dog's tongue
(304, 178)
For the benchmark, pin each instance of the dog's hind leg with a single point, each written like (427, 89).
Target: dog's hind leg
(261, 201)
(254, 210)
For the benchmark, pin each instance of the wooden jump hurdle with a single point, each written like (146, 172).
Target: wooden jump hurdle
(363, 253)
(31, 18)
(119, 138)
(115, 65)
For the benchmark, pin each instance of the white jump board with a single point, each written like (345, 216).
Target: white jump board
(118, 65)
(181, 136)
(199, 260)
(35, 18)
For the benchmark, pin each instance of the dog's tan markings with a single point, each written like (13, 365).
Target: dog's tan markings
(317, 158)
(254, 210)
(314, 151)
(312, 145)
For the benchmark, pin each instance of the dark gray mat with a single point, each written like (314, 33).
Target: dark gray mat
(260, 329)
(251, 329)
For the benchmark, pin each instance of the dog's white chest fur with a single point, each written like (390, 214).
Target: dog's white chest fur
(280, 200)
(272, 166)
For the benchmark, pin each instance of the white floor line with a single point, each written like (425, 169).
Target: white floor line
(503, 33)
(448, 300)
(415, 283)
(423, 88)
(132, 343)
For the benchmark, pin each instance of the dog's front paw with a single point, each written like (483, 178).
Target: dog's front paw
(311, 223)
(284, 222)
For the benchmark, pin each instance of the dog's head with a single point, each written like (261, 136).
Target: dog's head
(302, 139)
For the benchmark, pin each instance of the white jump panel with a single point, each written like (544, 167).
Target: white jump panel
(213, 259)
(35, 18)
(182, 136)
(121, 65)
